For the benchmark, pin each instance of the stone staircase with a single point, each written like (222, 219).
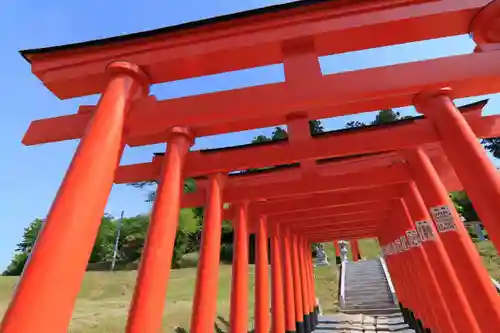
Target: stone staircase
(367, 289)
(345, 323)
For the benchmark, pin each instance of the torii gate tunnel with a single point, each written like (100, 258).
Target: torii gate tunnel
(390, 182)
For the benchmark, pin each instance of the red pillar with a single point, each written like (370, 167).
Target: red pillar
(441, 319)
(146, 311)
(305, 287)
(412, 299)
(354, 249)
(398, 282)
(337, 248)
(479, 290)
(297, 286)
(261, 278)
(356, 246)
(45, 295)
(239, 279)
(278, 311)
(443, 266)
(312, 288)
(207, 279)
(288, 281)
(475, 170)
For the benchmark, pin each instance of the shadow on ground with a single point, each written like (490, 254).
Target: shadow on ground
(222, 326)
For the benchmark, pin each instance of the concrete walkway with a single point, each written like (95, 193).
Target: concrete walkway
(357, 323)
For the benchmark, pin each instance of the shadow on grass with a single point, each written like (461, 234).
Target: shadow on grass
(223, 327)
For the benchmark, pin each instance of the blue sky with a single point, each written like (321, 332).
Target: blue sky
(30, 176)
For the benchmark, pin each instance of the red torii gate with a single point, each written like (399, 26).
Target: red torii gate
(295, 34)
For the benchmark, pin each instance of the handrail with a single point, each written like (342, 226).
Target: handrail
(389, 281)
(496, 284)
(342, 284)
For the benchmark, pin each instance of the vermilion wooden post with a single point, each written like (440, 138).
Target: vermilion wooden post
(435, 294)
(146, 311)
(354, 249)
(385, 242)
(307, 261)
(239, 290)
(45, 296)
(297, 286)
(430, 315)
(261, 277)
(337, 250)
(277, 307)
(355, 243)
(310, 267)
(207, 278)
(475, 170)
(306, 298)
(477, 285)
(442, 264)
(288, 281)
(412, 300)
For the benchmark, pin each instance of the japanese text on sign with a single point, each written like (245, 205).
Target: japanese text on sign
(413, 238)
(425, 231)
(397, 246)
(404, 243)
(443, 218)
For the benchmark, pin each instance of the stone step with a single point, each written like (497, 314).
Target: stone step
(366, 288)
(387, 322)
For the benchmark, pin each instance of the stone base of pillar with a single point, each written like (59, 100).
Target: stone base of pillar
(288, 331)
(307, 324)
(338, 260)
(312, 321)
(299, 325)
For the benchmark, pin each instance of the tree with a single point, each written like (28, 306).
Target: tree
(316, 127)
(385, 116)
(102, 250)
(16, 265)
(279, 133)
(23, 249)
(261, 138)
(104, 243)
(464, 205)
(492, 145)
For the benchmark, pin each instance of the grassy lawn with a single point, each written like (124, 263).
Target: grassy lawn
(105, 297)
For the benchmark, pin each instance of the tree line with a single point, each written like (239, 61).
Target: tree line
(134, 229)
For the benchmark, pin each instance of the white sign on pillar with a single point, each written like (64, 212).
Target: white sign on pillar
(425, 231)
(404, 243)
(443, 218)
(397, 245)
(413, 238)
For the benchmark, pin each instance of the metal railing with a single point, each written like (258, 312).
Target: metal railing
(389, 281)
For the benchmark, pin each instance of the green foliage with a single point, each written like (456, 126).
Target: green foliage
(279, 133)
(130, 244)
(17, 264)
(30, 235)
(464, 206)
(383, 117)
(492, 145)
(104, 243)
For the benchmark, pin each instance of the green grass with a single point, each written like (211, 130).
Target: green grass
(104, 298)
